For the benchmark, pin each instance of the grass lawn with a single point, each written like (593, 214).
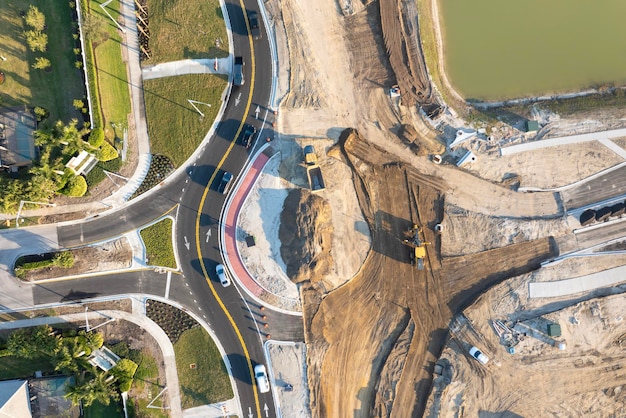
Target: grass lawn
(158, 241)
(146, 387)
(174, 127)
(208, 382)
(98, 410)
(111, 70)
(181, 29)
(54, 90)
(15, 367)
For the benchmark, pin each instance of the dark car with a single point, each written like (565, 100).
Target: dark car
(246, 137)
(254, 24)
(238, 78)
(227, 179)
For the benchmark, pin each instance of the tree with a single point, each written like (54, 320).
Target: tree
(75, 187)
(35, 19)
(41, 113)
(96, 137)
(37, 41)
(41, 63)
(107, 152)
(100, 388)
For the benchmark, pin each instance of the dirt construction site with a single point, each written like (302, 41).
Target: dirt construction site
(511, 272)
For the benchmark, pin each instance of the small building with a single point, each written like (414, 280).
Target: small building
(103, 358)
(17, 144)
(531, 126)
(14, 399)
(554, 330)
(82, 163)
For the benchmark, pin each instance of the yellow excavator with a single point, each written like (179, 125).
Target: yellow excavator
(419, 247)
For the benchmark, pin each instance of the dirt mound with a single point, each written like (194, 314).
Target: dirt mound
(306, 234)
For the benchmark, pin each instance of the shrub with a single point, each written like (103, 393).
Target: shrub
(78, 104)
(35, 19)
(37, 41)
(107, 152)
(96, 137)
(124, 370)
(76, 187)
(64, 259)
(41, 113)
(41, 63)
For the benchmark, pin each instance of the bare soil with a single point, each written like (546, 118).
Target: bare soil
(111, 255)
(401, 312)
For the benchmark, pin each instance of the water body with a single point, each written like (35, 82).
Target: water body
(497, 49)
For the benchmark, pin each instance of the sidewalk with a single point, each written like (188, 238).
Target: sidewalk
(195, 66)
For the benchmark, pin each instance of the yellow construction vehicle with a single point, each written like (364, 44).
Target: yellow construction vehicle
(419, 247)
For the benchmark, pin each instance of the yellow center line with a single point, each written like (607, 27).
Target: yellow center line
(202, 201)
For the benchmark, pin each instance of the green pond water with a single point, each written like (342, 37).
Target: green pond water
(496, 49)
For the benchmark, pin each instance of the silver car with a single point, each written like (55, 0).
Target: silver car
(221, 274)
(260, 374)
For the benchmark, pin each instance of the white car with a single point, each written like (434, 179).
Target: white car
(225, 281)
(261, 378)
(478, 355)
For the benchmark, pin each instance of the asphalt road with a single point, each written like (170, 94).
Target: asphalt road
(195, 202)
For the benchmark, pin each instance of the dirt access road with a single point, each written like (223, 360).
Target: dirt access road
(373, 342)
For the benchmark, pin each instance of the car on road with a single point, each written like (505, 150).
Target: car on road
(221, 274)
(478, 355)
(260, 374)
(238, 79)
(246, 137)
(254, 24)
(225, 183)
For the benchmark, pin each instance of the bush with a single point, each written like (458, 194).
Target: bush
(75, 187)
(35, 19)
(107, 152)
(124, 370)
(41, 63)
(36, 41)
(96, 137)
(64, 259)
(41, 113)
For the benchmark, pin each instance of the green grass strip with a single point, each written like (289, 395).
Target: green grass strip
(158, 241)
(208, 381)
(175, 128)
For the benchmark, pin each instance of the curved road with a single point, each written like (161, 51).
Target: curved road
(192, 197)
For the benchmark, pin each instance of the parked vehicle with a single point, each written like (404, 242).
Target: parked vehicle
(221, 274)
(313, 170)
(478, 355)
(260, 374)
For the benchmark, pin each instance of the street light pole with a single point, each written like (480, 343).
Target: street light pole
(19, 211)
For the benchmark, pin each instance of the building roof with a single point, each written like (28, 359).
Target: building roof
(14, 399)
(103, 358)
(17, 145)
(532, 126)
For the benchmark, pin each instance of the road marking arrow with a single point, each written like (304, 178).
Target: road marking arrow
(237, 100)
(250, 412)
(256, 112)
(208, 235)
(186, 243)
(265, 408)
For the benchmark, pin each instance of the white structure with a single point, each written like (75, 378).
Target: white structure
(467, 158)
(103, 358)
(462, 136)
(82, 163)
(14, 399)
